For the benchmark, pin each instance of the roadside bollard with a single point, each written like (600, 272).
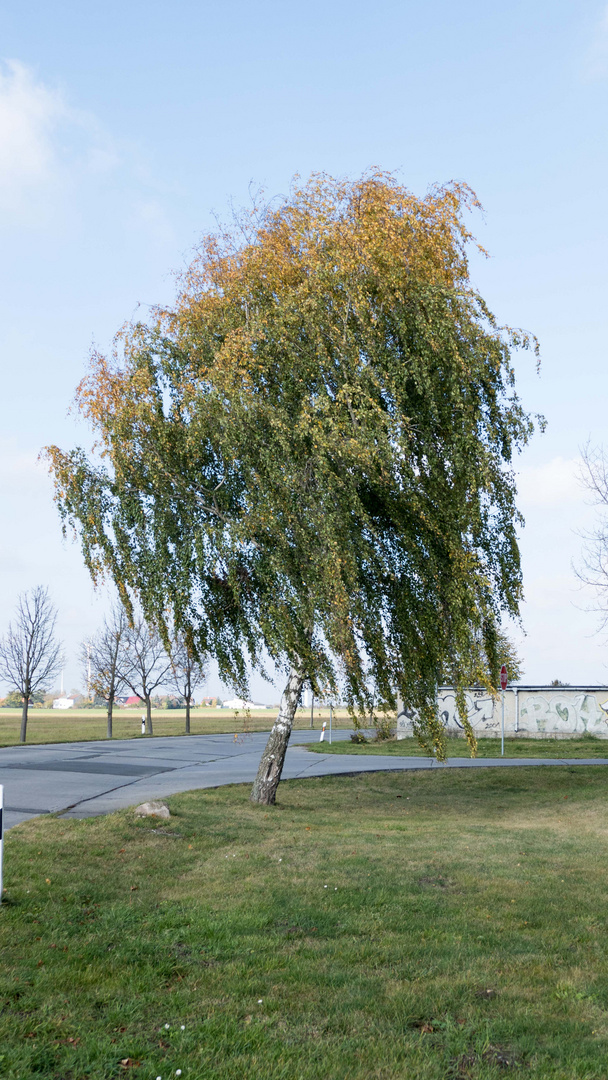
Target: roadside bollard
(323, 731)
(143, 725)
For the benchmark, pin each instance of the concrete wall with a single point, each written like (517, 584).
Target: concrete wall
(531, 711)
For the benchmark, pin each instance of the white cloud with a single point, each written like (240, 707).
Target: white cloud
(596, 59)
(59, 166)
(30, 116)
(555, 483)
(47, 149)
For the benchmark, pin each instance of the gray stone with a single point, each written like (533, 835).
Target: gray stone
(153, 809)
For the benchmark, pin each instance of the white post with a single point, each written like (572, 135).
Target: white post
(1, 835)
(516, 692)
(502, 730)
(331, 712)
(143, 725)
(323, 731)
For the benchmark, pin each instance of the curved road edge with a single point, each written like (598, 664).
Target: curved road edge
(89, 779)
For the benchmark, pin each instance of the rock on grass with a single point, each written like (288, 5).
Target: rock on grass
(152, 809)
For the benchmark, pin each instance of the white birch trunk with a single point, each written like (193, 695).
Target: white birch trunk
(271, 765)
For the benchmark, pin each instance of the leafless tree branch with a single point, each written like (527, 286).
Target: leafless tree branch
(144, 663)
(593, 571)
(30, 655)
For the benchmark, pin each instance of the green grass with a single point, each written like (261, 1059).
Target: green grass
(462, 933)
(584, 746)
(54, 725)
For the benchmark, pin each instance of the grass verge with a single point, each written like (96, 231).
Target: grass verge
(437, 926)
(584, 746)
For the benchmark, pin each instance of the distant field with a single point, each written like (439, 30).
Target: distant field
(54, 725)
(577, 746)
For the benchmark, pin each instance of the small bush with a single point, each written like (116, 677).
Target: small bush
(384, 728)
(359, 737)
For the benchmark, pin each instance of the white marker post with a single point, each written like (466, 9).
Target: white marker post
(331, 714)
(503, 684)
(1, 835)
(143, 725)
(323, 731)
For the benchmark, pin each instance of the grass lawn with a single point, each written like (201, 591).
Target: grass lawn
(54, 725)
(433, 926)
(585, 746)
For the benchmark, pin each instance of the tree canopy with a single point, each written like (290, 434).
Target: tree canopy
(309, 455)
(474, 667)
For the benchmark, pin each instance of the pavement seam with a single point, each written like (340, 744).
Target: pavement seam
(123, 787)
(100, 795)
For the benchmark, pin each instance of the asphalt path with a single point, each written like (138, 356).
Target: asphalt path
(85, 779)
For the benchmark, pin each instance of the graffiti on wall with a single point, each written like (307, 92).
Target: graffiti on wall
(480, 712)
(576, 713)
(539, 711)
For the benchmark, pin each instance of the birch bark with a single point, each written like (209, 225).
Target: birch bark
(265, 785)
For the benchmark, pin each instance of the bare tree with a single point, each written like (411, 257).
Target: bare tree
(102, 661)
(186, 673)
(594, 568)
(30, 655)
(144, 663)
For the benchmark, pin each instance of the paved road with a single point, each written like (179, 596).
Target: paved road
(89, 778)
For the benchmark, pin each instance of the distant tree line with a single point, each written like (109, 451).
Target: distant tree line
(129, 657)
(125, 655)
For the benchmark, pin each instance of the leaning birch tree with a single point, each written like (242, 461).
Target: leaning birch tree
(308, 457)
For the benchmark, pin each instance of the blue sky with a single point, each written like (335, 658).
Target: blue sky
(124, 127)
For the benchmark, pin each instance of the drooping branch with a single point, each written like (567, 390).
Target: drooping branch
(309, 456)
